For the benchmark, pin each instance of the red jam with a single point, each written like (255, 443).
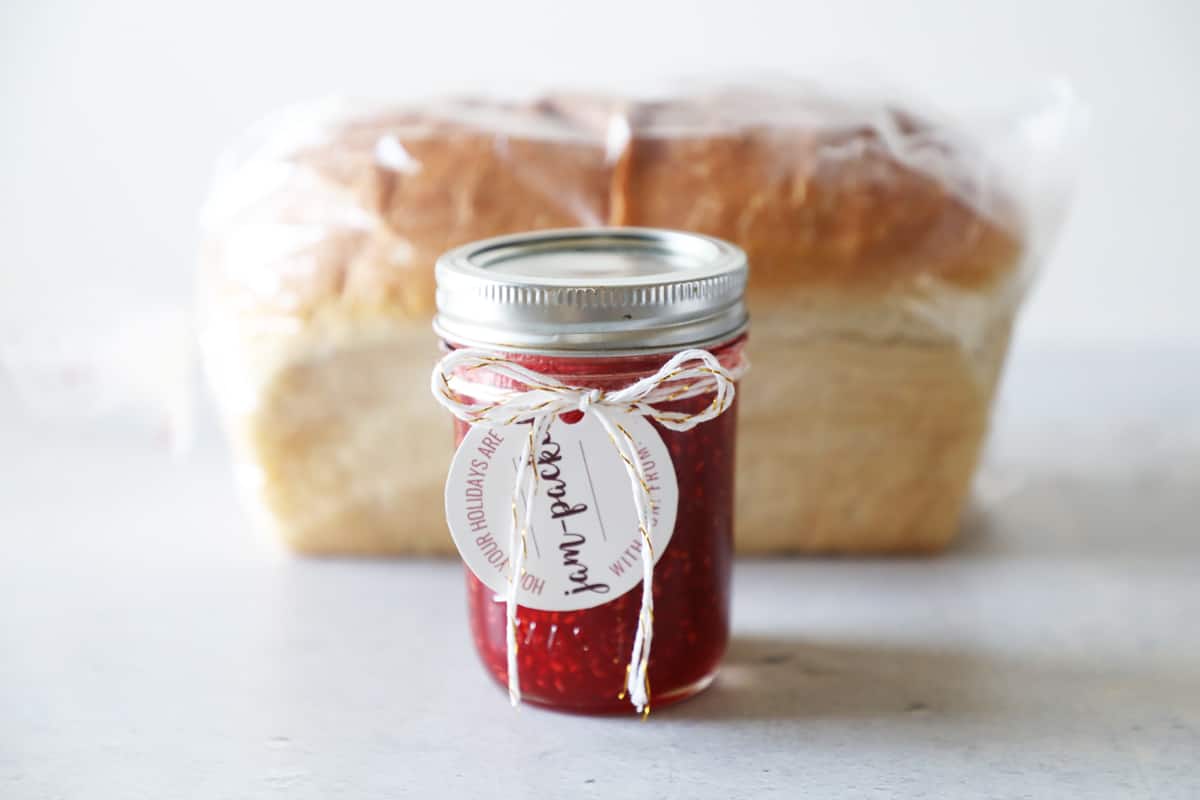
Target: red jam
(577, 660)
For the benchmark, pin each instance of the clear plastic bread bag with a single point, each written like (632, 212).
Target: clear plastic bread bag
(890, 250)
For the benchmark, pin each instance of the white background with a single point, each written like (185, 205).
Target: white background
(114, 112)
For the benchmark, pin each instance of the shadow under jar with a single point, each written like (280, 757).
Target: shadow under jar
(601, 309)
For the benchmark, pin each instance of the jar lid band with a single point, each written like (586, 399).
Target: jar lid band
(592, 290)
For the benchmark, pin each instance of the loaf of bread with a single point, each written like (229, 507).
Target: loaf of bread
(885, 274)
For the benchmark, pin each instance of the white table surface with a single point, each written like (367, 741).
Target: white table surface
(152, 647)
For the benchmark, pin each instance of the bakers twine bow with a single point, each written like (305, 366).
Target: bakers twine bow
(524, 395)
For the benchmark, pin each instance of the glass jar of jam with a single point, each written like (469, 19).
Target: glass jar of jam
(600, 309)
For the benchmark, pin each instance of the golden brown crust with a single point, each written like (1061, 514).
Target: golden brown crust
(816, 206)
(380, 198)
(808, 219)
(464, 185)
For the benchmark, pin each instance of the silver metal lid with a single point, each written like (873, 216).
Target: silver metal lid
(601, 290)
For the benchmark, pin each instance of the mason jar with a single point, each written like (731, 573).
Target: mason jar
(597, 309)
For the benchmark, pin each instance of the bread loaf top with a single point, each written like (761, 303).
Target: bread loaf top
(342, 215)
